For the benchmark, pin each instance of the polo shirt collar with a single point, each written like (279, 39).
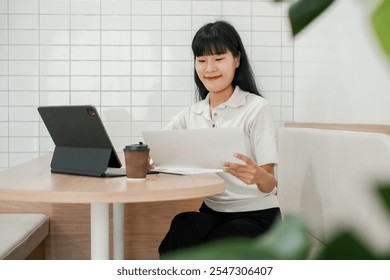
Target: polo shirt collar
(237, 99)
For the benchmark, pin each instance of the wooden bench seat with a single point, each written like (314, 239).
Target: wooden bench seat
(21, 235)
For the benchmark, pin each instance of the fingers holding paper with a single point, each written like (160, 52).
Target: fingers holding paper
(250, 173)
(151, 164)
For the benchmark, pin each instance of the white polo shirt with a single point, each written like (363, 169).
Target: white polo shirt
(253, 114)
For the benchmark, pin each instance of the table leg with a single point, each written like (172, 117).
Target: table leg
(100, 238)
(118, 230)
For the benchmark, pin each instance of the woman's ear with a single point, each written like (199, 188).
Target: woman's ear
(237, 59)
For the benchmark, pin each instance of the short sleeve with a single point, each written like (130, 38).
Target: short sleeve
(179, 121)
(262, 136)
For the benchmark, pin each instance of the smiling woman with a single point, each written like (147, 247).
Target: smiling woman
(229, 98)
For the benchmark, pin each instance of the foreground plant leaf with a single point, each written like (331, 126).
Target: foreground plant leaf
(346, 246)
(288, 240)
(381, 22)
(302, 12)
(384, 194)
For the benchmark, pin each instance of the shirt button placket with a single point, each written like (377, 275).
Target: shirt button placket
(215, 119)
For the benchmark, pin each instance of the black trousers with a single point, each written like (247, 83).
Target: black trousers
(195, 228)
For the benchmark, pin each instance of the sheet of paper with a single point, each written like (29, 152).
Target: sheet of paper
(186, 171)
(194, 151)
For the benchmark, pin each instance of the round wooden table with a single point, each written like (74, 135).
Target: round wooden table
(34, 182)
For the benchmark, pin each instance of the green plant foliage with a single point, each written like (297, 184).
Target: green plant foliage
(302, 12)
(226, 249)
(381, 22)
(384, 194)
(346, 246)
(287, 240)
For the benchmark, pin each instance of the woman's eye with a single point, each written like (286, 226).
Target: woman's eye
(219, 59)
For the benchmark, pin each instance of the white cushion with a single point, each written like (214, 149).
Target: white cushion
(328, 177)
(20, 234)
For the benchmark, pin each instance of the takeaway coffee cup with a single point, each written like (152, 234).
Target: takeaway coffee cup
(137, 159)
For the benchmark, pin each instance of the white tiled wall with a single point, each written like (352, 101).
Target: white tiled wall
(131, 59)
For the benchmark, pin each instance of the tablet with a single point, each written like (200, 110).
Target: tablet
(82, 145)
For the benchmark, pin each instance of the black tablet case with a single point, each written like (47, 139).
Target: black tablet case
(83, 146)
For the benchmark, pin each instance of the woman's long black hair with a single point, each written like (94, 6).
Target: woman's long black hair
(217, 38)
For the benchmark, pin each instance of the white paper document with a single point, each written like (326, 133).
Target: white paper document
(194, 151)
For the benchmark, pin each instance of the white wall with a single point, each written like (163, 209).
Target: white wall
(131, 59)
(341, 74)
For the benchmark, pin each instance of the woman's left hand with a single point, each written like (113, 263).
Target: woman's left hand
(251, 173)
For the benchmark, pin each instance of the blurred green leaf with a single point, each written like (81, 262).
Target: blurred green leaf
(302, 12)
(346, 246)
(384, 193)
(287, 239)
(226, 249)
(381, 22)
